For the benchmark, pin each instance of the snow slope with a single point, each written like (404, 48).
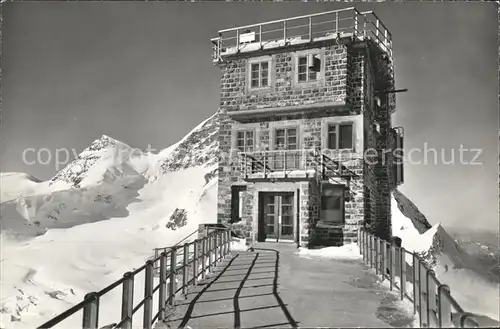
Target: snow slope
(14, 185)
(472, 283)
(59, 244)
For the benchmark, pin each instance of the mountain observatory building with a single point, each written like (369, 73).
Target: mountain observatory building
(307, 151)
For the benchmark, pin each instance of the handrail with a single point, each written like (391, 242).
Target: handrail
(178, 243)
(431, 299)
(347, 22)
(287, 19)
(206, 253)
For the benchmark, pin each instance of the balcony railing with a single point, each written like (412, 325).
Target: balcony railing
(291, 163)
(328, 25)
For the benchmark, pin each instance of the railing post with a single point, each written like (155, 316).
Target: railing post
(382, 258)
(185, 269)
(195, 262)
(265, 165)
(260, 36)
(173, 270)
(364, 25)
(444, 307)
(245, 170)
(377, 256)
(355, 23)
(229, 240)
(284, 31)
(157, 253)
(224, 243)
(284, 161)
(370, 250)
(424, 302)
(363, 234)
(359, 242)
(210, 252)
(310, 29)
(91, 311)
(148, 295)
(127, 300)
(162, 295)
(377, 23)
(387, 258)
(203, 257)
(393, 264)
(218, 245)
(416, 284)
(237, 40)
(402, 275)
(336, 23)
(431, 299)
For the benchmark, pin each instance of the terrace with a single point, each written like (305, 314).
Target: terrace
(303, 30)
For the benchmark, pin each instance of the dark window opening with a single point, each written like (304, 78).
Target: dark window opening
(332, 204)
(237, 203)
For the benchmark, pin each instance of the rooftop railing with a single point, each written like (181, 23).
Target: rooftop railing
(327, 25)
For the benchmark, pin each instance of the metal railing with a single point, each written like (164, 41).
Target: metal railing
(286, 161)
(303, 29)
(184, 264)
(431, 299)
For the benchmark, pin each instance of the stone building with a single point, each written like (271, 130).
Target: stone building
(307, 148)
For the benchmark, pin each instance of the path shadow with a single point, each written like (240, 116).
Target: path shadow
(245, 281)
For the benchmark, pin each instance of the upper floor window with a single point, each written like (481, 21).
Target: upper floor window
(245, 140)
(308, 67)
(340, 136)
(286, 139)
(259, 74)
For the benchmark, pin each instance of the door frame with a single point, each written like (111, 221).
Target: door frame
(261, 235)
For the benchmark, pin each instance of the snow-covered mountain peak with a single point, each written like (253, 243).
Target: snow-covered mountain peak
(199, 147)
(105, 159)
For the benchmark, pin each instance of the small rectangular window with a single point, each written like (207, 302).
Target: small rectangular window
(245, 140)
(259, 74)
(286, 139)
(340, 136)
(307, 68)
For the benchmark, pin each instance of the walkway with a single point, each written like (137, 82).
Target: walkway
(275, 287)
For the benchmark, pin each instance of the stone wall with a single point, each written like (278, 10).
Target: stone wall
(378, 163)
(284, 90)
(351, 76)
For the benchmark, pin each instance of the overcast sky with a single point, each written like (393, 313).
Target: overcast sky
(142, 73)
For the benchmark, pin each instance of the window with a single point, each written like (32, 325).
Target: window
(332, 204)
(339, 136)
(259, 74)
(286, 139)
(237, 202)
(245, 140)
(308, 67)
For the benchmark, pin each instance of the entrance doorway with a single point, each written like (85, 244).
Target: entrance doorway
(277, 219)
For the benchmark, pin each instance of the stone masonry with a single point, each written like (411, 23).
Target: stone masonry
(351, 74)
